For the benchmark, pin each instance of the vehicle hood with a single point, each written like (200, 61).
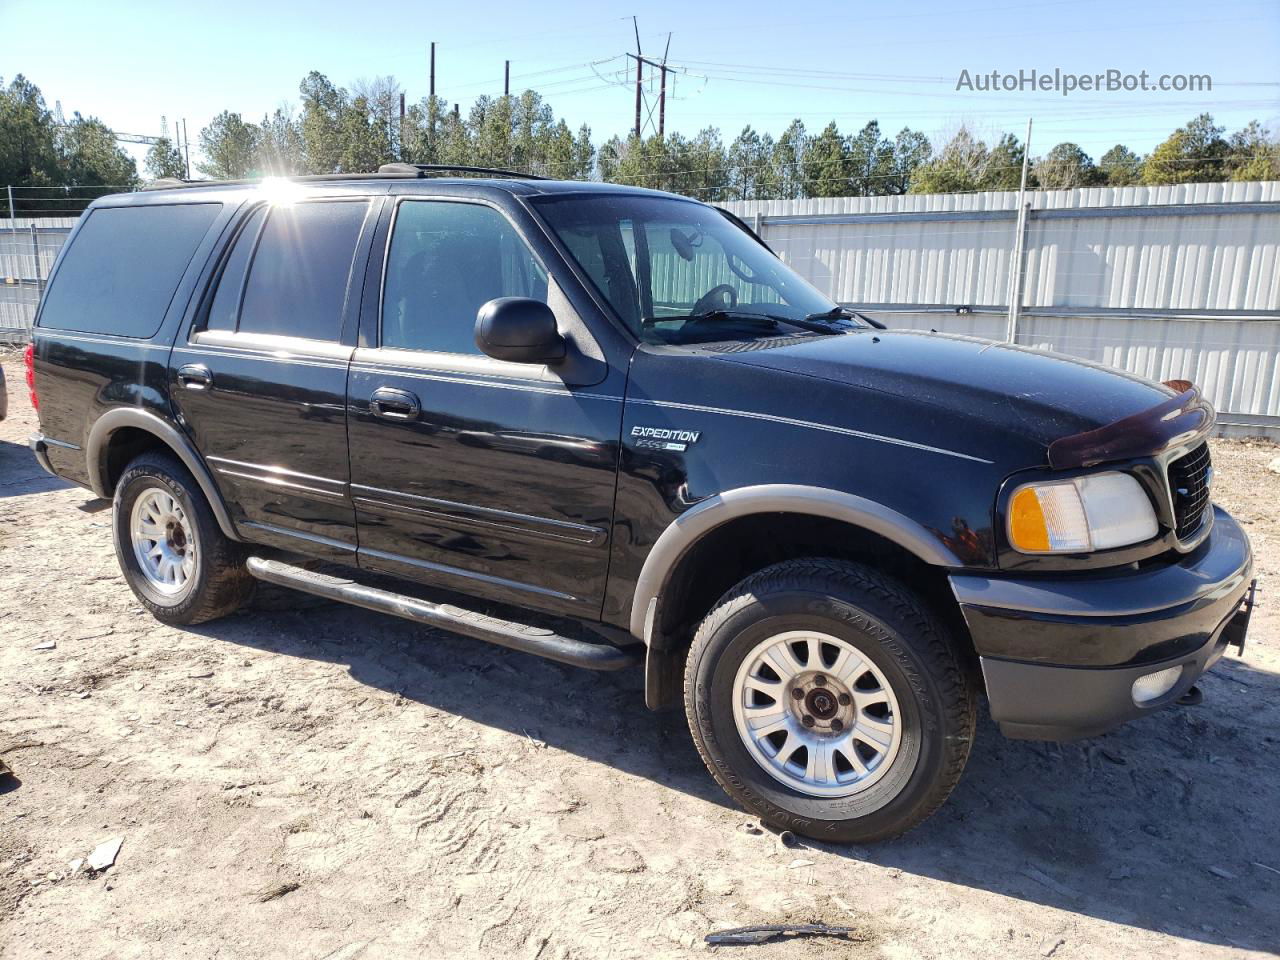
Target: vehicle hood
(1038, 395)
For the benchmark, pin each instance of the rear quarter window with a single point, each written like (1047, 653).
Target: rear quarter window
(123, 267)
(298, 280)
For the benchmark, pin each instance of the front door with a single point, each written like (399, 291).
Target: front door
(260, 382)
(490, 478)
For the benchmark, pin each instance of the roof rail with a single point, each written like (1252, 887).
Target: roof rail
(425, 169)
(171, 183)
(388, 171)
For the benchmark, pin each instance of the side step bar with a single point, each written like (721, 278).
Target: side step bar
(505, 633)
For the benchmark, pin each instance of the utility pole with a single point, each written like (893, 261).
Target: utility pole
(661, 67)
(506, 78)
(662, 92)
(186, 148)
(431, 90)
(639, 73)
(1019, 241)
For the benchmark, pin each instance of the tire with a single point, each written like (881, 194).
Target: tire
(909, 716)
(214, 581)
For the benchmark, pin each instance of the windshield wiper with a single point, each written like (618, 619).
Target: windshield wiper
(770, 320)
(734, 315)
(840, 313)
(809, 323)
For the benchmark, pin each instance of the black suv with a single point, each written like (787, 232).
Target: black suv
(615, 421)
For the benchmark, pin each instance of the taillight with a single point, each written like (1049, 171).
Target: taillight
(29, 361)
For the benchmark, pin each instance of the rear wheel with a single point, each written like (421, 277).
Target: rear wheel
(176, 559)
(824, 697)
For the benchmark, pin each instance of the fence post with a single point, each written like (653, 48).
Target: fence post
(12, 269)
(9, 247)
(35, 257)
(1019, 242)
(1017, 271)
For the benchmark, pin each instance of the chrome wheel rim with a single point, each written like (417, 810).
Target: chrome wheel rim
(164, 542)
(816, 714)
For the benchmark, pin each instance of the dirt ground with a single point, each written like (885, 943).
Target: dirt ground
(315, 781)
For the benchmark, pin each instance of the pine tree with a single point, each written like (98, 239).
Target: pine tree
(164, 160)
(1120, 166)
(229, 146)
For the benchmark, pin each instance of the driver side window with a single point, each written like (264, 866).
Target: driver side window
(447, 259)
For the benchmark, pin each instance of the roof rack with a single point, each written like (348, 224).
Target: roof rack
(425, 169)
(388, 171)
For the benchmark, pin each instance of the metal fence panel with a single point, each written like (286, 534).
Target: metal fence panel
(1168, 282)
(28, 248)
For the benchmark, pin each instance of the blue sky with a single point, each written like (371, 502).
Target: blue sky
(750, 61)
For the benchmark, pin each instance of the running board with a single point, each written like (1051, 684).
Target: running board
(505, 633)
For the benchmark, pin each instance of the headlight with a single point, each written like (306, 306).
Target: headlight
(1093, 512)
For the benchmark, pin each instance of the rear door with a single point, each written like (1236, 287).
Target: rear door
(495, 479)
(260, 380)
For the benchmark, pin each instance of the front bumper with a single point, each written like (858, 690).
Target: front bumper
(1060, 655)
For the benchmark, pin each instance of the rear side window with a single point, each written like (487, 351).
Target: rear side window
(446, 261)
(298, 279)
(226, 301)
(123, 267)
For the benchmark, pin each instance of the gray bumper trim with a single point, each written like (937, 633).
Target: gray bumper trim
(1037, 701)
(39, 445)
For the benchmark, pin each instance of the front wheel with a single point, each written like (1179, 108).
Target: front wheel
(825, 698)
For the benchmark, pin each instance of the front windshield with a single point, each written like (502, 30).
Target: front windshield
(681, 272)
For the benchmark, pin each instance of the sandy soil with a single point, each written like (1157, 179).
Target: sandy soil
(309, 780)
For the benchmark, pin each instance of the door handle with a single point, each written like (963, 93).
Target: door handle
(391, 404)
(195, 376)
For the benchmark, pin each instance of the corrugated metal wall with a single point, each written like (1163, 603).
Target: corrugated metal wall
(1168, 282)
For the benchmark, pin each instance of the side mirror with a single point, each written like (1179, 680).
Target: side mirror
(520, 330)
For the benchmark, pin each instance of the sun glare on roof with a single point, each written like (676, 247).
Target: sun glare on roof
(279, 192)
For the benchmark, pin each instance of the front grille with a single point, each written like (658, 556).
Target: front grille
(1189, 477)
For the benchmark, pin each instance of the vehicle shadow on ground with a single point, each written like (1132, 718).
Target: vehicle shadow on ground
(1157, 825)
(1161, 824)
(21, 475)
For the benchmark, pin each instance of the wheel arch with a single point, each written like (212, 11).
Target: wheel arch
(122, 431)
(702, 520)
(754, 528)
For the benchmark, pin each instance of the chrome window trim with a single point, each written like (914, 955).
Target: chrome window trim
(279, 346)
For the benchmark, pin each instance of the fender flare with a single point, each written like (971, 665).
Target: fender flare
(698, 521)
(119, 417)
